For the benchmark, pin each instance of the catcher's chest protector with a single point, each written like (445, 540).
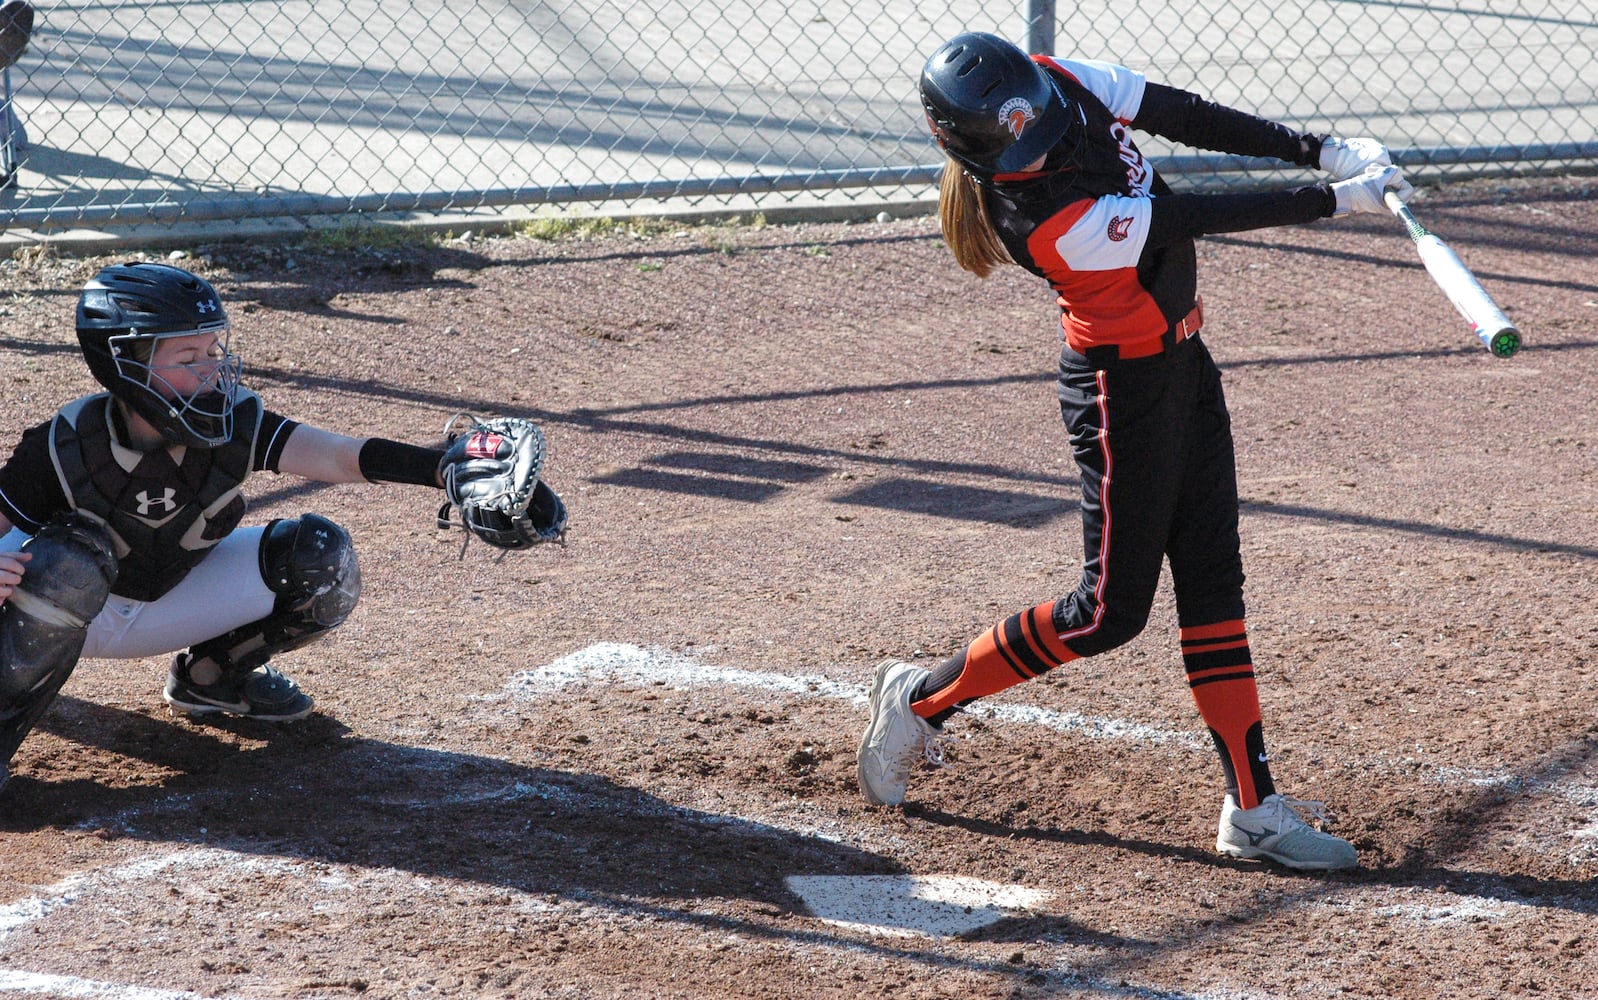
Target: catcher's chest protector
(155, 507)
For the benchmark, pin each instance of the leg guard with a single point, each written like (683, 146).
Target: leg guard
(309, 563)
(46, 620)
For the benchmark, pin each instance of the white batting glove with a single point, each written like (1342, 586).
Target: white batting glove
(1345, 159)
(1364, 193)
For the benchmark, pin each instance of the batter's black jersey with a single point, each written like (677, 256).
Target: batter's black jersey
(165, 508)
(1106, 232)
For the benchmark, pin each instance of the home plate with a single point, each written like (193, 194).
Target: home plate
(905, 905)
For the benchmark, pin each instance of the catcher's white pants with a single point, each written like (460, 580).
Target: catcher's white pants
(221, 593)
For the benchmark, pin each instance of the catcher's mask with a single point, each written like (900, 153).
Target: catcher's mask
(993, 109)
(124, 312)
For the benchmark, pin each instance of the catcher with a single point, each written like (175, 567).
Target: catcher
(120, 516)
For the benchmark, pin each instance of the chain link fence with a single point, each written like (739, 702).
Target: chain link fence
(170, 111)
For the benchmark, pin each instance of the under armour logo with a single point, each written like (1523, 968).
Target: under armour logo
(167, 501)
(206, 306)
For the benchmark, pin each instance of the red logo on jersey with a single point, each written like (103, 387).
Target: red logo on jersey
(1015, 114)
(483, 445)
(1120, 228)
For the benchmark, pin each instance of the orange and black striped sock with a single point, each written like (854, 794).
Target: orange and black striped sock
(1017, 649)
(1220, 672)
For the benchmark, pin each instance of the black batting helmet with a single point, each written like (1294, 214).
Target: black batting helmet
(991, 107)
(123, 312)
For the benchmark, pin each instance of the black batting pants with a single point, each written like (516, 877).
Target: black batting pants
(1152, 439)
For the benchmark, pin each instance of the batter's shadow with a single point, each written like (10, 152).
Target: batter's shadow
(314, 790)
(1055, 835)
(1419, 871)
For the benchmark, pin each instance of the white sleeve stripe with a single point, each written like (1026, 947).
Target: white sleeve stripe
(18, 511)
(275, 434)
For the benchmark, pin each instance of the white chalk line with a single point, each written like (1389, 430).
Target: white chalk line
(612, 663)
(1006, 900)
(612, 911)
(82, 888)
(40, 984)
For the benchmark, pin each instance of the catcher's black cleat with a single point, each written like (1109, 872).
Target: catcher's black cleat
(263, 694)
(16, 28)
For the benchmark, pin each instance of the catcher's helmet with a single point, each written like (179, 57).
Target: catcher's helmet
(123, 312)
(991, 107)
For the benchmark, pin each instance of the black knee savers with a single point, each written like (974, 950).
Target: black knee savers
(309, 563)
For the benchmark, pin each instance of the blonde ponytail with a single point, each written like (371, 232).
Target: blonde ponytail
(963, 216)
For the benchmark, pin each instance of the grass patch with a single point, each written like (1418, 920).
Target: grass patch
(579, 227)
(354, 235)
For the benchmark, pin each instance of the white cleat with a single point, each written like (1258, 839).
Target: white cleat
(896, 738)
(1276, 830)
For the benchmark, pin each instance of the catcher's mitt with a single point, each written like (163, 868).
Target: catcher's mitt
(491, 477)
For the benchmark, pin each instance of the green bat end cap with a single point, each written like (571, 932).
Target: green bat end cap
(1505, 343)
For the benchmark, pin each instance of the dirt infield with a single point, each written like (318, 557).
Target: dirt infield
(598, 770)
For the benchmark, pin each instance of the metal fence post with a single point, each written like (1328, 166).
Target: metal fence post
(1040, 26)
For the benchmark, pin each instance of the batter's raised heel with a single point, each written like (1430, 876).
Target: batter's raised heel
(896, 739)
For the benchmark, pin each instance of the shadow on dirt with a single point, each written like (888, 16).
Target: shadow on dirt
(315, 792)
(1424, 868)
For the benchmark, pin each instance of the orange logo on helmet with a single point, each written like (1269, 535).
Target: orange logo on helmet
(1015, 114)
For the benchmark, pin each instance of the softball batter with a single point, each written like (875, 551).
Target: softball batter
(1043, 173)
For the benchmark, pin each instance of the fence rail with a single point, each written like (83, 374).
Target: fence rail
(166, 111)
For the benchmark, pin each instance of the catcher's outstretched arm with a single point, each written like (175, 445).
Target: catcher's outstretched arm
(313, 453)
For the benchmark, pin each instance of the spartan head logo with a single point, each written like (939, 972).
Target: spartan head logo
(1015, 114)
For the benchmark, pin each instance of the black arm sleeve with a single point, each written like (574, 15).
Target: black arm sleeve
(1190, 119)
(1188, 216)
(270, 438)
(30, 493)
(385, 461)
